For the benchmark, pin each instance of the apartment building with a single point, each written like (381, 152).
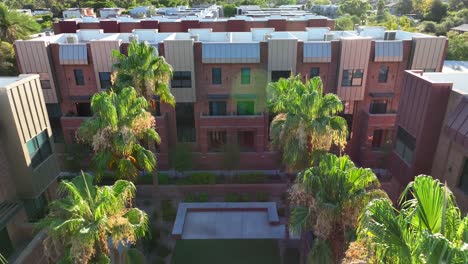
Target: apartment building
(28, 166)
(432, 131)
(220, 79)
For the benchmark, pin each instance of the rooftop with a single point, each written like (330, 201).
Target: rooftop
(455, 66)
(463, 28)
(459, 80)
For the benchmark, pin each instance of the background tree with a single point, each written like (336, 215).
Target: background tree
(357, 8)
(143, 69)
(421, 6)
(229, 10)
(346, 22)
(405, 7)
(15, 25)
(328, 199)
(7, 59)
(80, 223)
(306, 121)
(380, 10)
(321, 2)
(457, 46)
(437, 11)
(119, 122)
(429, 227)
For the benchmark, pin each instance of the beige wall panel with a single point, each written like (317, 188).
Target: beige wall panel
(355, 54)
(102, 56)
(179, 54)
(282, 55)
(30, 107)
(428, 53)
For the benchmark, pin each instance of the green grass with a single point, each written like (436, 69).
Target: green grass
(226, 251)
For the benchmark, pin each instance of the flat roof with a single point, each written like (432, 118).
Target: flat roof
(463, 27)
(7, 81)
(459, 80)
(451, 66)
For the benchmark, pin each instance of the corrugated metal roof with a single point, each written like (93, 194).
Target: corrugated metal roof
(317, 51)
(8, 209)
(388, 50)
(75, 54)
(230, 52)
(457, 123)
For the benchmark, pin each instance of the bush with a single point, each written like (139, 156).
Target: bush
(250, 178)
(196, 198)
(163, 251)
(169, 213)
(198, 178)
(163, 178)
(263, 197)
(236, 198)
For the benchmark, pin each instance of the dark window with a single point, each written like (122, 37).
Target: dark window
(216, 77)
(45, 84)
(383, 74)
(378, 107)
(246, 141)
(464, 177)
(6, 247)
(39, 148)
(276, 75)
(35, 209)
(314, 72)
(54, 113)
(352, 77)
(245, 76)
(105, 80)
(245, 107)
(79, 77)
(181, 79)
(218, 108)
(83, 109)
(405, 144)
(216, 141)
(349, 122)
(381, 138)
(185, 122)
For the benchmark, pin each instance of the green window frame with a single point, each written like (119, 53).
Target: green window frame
(245, 76)
(245, 107)
(39, 148)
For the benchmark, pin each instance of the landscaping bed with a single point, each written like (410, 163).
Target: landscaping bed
(202, 178)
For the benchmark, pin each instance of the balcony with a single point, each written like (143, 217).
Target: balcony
(380, 120)
(232, 120)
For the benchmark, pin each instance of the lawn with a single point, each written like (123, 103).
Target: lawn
(226, 251)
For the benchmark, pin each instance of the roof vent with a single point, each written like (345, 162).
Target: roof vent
(328, 36)
(390, 35)
(72, 39)
(195, 37)
(267, 36)
(132, 38)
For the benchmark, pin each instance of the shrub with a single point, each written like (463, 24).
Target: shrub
(250, 178)
(263, 197)
(196, 198)
(236, 198)
(198, 178)
(163, 178)
(169, 213)
(163, 251)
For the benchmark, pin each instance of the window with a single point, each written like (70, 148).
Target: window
(381, 138)
(181, 79)
(6, 247)
(352, 77)
(35, 209)
(79, 77)
(245, 107)
(464, 178)
(218, 108)
(246, 141)
(185, 122)
(378, 107)
(276, 75)
(54, 113)
(383, 74)
(314, 72)
(105, 80)
(45, 84)
(39, 148)
(405, 144)
(245, 76)
(83, 109)
(216, 77)
(216, 141)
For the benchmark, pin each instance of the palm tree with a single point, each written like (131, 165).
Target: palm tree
(119, 123)
(428, 228)
(87, 218)
(14, 25)
(327, 199)
(306, 122)
(143, 69)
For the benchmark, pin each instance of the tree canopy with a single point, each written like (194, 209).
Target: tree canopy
(357, 8)
(15, 25)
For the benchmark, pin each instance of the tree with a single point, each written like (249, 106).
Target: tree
(457, 46)
(143, 69)
(15, 25)
(229, 10)
(328, 199)
(437, 11)
(380, 10)
(457, 4)
(7, 59)
(119, 122)
(428, 228)
(81, 222)
(421, 6)
(345, 22)
(322, 2)
(405, 7)
(357, 8)
(306, 123)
